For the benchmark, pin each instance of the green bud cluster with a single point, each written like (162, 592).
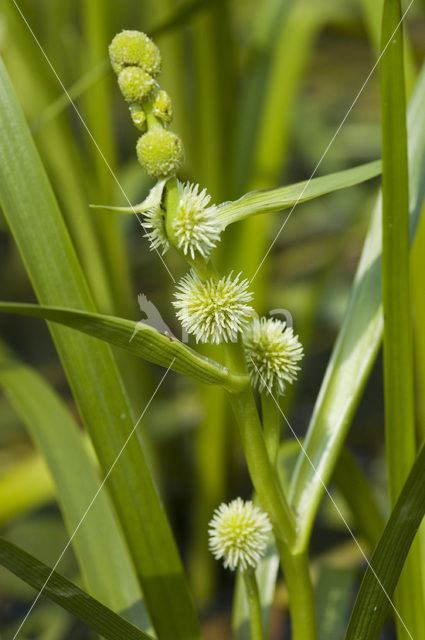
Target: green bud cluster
(136, 60)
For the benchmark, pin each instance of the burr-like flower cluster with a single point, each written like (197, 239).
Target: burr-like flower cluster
(195, 225)
(213, 311)
(272, 352)
(137, 62)
(238, 533)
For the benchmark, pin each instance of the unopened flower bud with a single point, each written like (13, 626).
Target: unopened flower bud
(138, 116)
(162, 106)
(134, 48)
(135, 84)
(160, 152)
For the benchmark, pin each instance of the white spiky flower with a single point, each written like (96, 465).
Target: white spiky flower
(238, 533)
(272, 352)
(154, 224)
(215, 310)
(153, 218)
(195, 225)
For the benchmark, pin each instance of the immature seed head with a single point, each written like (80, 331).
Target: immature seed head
(134, 48)
(135, 84)
(160, 152)
(272, 353)
(195, 224)
(213, 311)
(238, 533)
(162, 106)
(138, 116)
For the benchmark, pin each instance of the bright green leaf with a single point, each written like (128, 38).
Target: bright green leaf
(147, 342)
(67, 595)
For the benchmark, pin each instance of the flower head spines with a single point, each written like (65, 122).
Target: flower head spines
(155, 224)
(238, 533)
(214, 311)
(160, 152)
(135, 84)
(272, 353)
(134, 49)
(195, 225)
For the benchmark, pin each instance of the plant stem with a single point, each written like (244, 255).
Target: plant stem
(300, 594)
(254, 604)
(273, 500)
(271, 425)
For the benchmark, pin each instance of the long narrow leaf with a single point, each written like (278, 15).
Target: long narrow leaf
(400, 434)
(34, 218)
(273, 200)
(138, 338)
(67, 595)
(104, 560)
(357, 344)
(372, 604)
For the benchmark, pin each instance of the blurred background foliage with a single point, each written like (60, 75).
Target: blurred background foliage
(259, 89)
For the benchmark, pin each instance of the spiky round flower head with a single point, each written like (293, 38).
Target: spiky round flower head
(195, 224)
(135, 84)
(160, 152)
(154, 224)
(238, 533)
(134, 49)
(272, 352)
(162, 106)
(138, 116)
(215, 310)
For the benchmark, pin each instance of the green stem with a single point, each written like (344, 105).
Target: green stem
(300, 594)
(254, 604)
(271, 425)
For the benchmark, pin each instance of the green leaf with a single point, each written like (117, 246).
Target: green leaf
(67, 595)
(372, 604)
(400, 428)
(333, 594)
(273, 200)
(39, 231)
(147, 342)
(58, 437)
(356, 346)
(25, 486)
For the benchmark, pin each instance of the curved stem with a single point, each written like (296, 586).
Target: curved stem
(254, 604)
(271, 426)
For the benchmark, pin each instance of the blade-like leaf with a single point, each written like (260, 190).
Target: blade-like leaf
(104, 561)
(357, 344)
(67, 595)
(399, 391)
(372, 604)
(333, 594)
(273, 200)
(36, 223)
(138, 338)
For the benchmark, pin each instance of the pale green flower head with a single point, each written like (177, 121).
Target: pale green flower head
(134, 49)
(162, 107)
(135, 84)
(160, 152)
(214, 311)
(238, 534)
(138, 117)
(195, 225)
(272, 353)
